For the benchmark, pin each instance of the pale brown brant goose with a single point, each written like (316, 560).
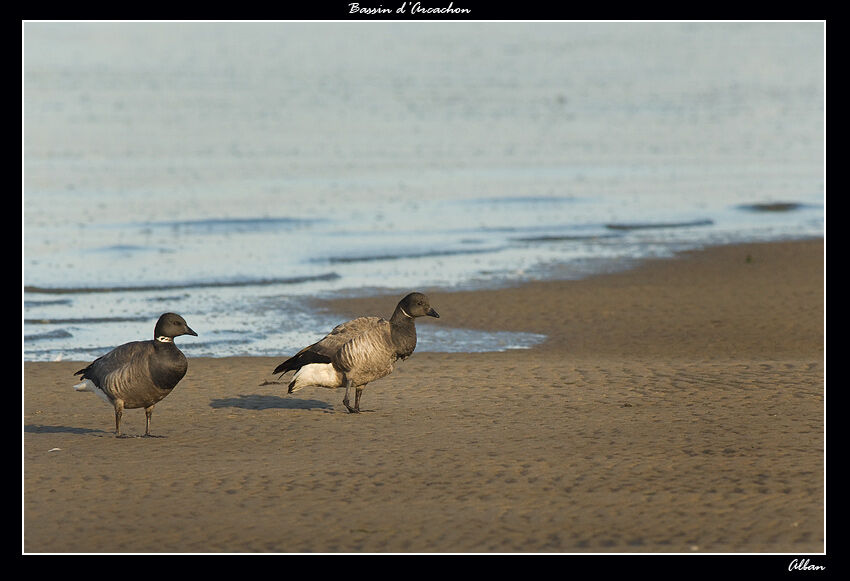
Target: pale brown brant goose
(359, 351)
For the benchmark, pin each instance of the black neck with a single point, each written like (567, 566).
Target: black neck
(403, 332)
(169, 365)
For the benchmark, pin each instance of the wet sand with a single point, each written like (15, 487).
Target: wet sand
(674, 408)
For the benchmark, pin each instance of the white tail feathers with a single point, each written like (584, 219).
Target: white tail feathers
(89, 385)
(318, 374)
(85, 385)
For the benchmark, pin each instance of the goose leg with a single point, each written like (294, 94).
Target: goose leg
(357, 393)
(346, 401)
(148, 414)
(119, 411)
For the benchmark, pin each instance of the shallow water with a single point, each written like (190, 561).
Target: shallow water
(232, 171)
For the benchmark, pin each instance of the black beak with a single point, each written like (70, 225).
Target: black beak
(189, 331)
(432, 313)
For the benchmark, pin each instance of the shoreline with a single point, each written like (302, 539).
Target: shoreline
(380, 301)
(639, 296)
(676, 407)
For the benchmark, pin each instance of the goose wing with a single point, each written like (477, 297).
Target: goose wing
(367, 355)
(116, 372)
(325, 349)
(345, 332)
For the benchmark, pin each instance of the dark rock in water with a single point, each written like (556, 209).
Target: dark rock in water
(772, 207)
(653, 225)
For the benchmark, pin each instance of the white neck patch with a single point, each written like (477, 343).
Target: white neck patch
(165, 339)
(405, 313)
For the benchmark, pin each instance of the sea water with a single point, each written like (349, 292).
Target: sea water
(234, 171)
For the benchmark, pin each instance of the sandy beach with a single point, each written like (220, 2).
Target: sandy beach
(674, 408)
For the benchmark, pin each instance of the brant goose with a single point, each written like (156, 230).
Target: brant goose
(359, 351)
(140, 373)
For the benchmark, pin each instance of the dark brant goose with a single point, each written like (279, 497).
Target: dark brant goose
(359, 351)
(140, 373)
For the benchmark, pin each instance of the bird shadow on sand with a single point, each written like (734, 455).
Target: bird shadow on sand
(42, 429)
(265, 402)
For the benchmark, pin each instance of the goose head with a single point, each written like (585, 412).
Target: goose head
(417, 305)
(172, 325)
